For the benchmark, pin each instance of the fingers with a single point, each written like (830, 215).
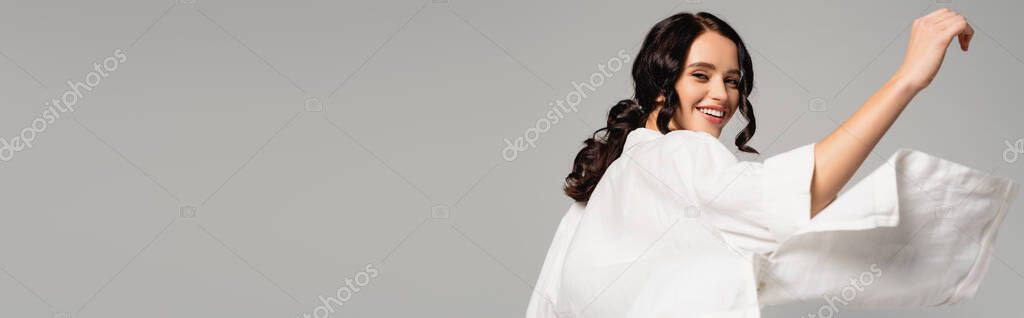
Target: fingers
(965, 37)
(942, 19)
(954, 23)
(958, 27)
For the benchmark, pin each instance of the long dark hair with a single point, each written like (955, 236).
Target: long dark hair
(655, 71)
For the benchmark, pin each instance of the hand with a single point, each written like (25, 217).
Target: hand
(929, 39)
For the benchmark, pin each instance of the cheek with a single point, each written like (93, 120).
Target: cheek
(686, 108)
(734, 100)
(687, 114)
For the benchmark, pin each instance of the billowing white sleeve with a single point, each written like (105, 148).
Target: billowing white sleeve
(917, 231)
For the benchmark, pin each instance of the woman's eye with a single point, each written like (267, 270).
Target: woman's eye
(704, 77)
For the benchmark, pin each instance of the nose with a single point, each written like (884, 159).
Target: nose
(718, 92)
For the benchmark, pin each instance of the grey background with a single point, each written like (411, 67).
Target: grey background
(209, 112)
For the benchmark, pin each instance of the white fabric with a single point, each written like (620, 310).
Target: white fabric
(677, 227)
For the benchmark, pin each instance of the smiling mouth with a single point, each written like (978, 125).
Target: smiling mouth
(712, 112)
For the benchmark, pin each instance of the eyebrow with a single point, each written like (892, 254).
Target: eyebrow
(712, 67)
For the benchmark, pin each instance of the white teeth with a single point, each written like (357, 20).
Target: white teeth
(712, 112)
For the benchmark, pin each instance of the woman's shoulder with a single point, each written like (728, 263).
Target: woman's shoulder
(691, 145)
(677, 152)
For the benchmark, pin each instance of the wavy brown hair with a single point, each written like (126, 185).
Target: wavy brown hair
(657, 67)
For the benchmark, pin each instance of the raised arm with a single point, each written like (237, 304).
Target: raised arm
(838, 155)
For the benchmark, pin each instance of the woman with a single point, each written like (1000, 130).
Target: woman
(668, 223)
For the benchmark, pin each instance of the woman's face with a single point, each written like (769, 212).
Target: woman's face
(709, 82)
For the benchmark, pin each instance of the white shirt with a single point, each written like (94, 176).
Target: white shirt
(677, 227)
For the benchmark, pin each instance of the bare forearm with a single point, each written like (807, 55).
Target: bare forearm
(838, 156)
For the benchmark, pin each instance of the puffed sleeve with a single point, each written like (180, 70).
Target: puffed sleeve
(545, 294)
(917, 231)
